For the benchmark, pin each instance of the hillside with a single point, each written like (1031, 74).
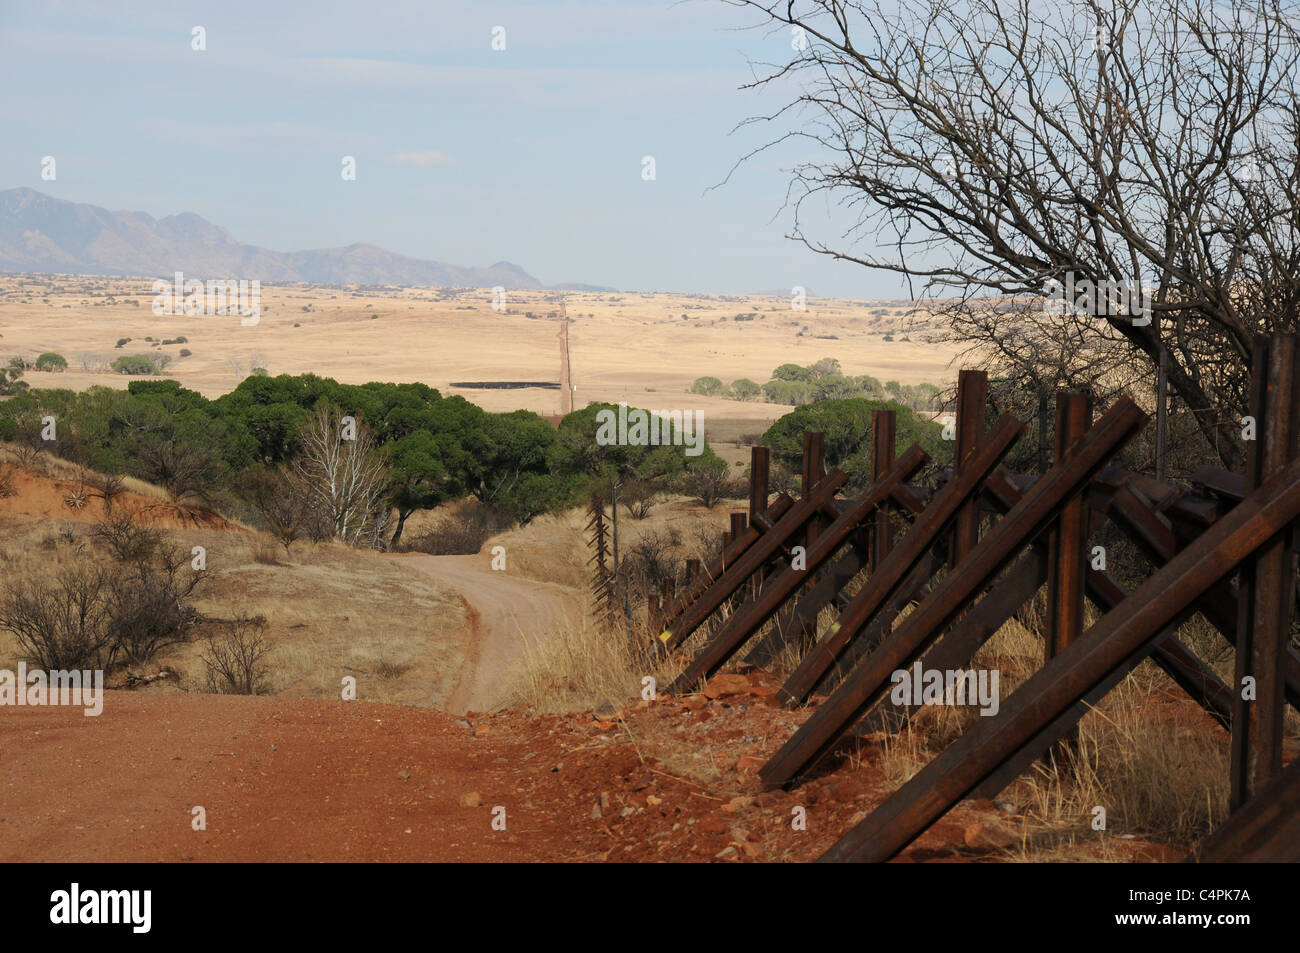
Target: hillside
(40, 233)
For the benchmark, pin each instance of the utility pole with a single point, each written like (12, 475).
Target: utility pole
(566, 380)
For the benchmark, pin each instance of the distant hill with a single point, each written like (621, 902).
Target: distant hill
(40, 233)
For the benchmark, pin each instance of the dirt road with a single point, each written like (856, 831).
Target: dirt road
(504, 611)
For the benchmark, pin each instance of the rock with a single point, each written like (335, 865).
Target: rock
(595, 812)
(627, 812)
(737, 804)
(727, 853)
(604, 800)
(1006, 807)
(403, 774)
(606, 711)
(472, 799)
(749, 762)
(653, 801)
(720, 686)
(983, 835)
(604, 725)
(694, 702)
(752, 851)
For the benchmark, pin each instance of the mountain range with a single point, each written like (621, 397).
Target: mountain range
(43, 234)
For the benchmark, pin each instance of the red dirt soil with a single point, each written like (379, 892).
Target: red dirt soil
(41, 497)
(287, 779)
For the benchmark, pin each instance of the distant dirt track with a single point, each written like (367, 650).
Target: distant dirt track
(503, 610)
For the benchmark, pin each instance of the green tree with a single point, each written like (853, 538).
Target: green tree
(50, 361)
(792, 372)
(826, 366)
(707, 386)
(744, 389)
(135, 364)
(847, 426)
(787, 392)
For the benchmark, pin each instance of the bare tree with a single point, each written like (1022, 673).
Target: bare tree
(346, 475)
(986, 149)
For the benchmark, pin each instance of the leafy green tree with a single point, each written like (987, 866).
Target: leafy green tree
(835, 387)
(420, 478)
(707, 386)
(826, 366)
(744, 389)
(135, 364)
(792, 372)
(787, 392)
(50, 361)
(847, 426)
(9, 381)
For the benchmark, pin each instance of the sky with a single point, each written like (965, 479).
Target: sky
(465, 154)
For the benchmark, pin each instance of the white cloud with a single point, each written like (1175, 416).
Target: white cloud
(425, 158)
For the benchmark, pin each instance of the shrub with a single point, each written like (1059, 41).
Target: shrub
(744, 389)
(639, 496)
(186, 352)
(460, 535)
(710, 483)
(707, 386)
(108, 487)
(122, 342)
(148, 603)
(51, 361)
(135, 364)
(285, 504)
(61, 621)
(126, 538)
(235, 658)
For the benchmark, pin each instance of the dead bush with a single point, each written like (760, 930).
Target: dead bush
(652, 559)
(285, 503)
(148, 604)
(235, 657)
(7, 482)
(265, 554)
(126, 538)
(460, 534)
(712, 484)
(108, 487)
(61, 621)
(639, 496)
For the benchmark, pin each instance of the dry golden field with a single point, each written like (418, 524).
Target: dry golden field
(625, 347)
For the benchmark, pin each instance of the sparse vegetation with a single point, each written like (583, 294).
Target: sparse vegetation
(235, 657)
(136, 364)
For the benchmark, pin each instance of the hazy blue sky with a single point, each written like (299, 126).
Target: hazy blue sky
(464, 154)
